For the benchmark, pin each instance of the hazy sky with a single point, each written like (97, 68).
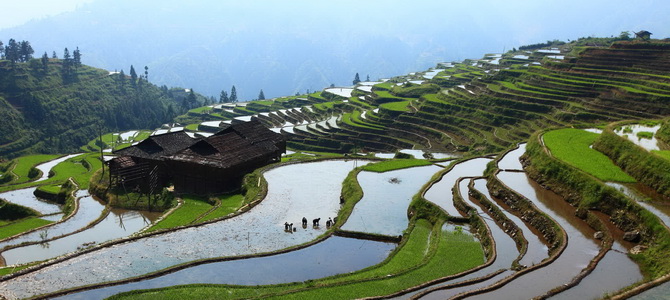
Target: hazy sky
(19, 12)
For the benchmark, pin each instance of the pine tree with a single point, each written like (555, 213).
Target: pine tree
(261, 95)
(67, 64)
(53, 55)
(223, 98)
(2, 50)
(133, 75)
(233, 95)
(76, 58)
(192, 101)
(12, 51)
(357, 79)
(25, 51)
(146, 73)
(367, 78)
(45, 62)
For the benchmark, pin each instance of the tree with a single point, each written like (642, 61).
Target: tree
(45, 62)
(367, 78)
(2, 50)
(223, 98)
(53, 55)
(76, 58)
(146, 73)
(192, 101)
(624, 35)
(133, 75)
(357, 79)
(12, 51)
(233, 95)
(25, 51)
(67, 64)
(261, 95)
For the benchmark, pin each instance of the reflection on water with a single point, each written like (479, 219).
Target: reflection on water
(648, 144)
(511, 160)
(335, 255)
(386, 197)
(117, 224)
(660, 292)
(309, 190)
(536, 250)
(25, 197)
(89, 211)
(440, 192)
(47, 166)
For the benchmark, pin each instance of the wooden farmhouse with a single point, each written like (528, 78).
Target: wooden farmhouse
(201, 166)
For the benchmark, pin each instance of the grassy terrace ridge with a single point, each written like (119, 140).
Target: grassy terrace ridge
(396, 164)
(24, 164)
(428, 253)
(573, 146)
(227, 204)
(24, 225)
(193, 208)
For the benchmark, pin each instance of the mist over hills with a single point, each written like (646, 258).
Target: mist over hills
(292, 46)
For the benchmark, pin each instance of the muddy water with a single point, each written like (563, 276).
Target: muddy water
(335, 255)
(26, 198)
(658, 208)
(311, 190)
(89, 211)
(440, 192)
(536, 250)
(511, 160)
(506, 254)
(117, 224)
(47, 166)
(579, 252)
(386, 197)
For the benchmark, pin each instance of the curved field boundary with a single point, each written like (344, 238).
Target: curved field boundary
(257, 199)
(74, 211)
(546, 262)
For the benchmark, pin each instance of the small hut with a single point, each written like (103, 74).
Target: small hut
(643, 35)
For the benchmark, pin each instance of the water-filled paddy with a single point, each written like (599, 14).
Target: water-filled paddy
(440, 192)
(647, 143)
(335, 255)
(511, 160)
(311, 190)
(25, 197)
(47, 166)
(117, 224)
(386, 197)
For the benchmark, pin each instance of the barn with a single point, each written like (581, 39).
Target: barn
(214, 164)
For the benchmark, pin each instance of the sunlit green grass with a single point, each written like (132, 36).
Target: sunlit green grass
(573, 146)
(396, 106)
(395, 164)
(229, 204)
(25, 163)
(429, 253)
(664, 153)
(191, 210)
(21, 226)
(73, 167)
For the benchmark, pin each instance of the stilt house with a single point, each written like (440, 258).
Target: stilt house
(202, 166)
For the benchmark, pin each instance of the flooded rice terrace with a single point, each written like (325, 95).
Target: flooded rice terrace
(312, 190)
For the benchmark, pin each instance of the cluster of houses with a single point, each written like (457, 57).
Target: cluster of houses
(210, 165)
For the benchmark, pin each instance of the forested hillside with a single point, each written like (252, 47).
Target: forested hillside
(52, 105)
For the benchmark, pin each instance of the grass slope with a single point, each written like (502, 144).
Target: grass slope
(573, 146)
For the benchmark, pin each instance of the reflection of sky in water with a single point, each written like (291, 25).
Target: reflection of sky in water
(89, 211)
(511, 160)
(440, 192)
(116, 224)
(25, 197)
(386, 197)
(335, 255)
(649, 144)
(47, 166)
(311, 190)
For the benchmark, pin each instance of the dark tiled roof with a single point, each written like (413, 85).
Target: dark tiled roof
(254, 131)
(157, 146)
(232, 146)
(122, 162)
